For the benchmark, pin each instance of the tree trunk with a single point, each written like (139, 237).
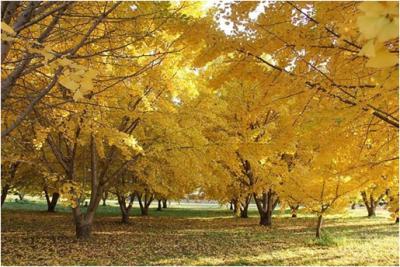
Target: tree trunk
(370, 203)
(319, 226)
(159, 208)
(266, 205)
(293, 210)
(4, 192)
(244, 208)
(397, 220)
(83, 230)
(21, 196)
(353, 206)
(164, 202)
(51, 206)
(104, 198)
(230, 205)
(124, 208)
(145, 202)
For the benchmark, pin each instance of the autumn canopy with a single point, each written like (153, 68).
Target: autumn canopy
(286, 104)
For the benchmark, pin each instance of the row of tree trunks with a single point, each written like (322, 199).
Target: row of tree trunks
(125, 209)
(266, 205)
(51, 203)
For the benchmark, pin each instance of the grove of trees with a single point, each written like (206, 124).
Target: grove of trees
(288, 104)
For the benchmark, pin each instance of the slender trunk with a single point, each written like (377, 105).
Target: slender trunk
(230, 205)
(293, 210)
(4, 192)
(353, 206)
(159, 208)
(319, 226)
(21, 196)
(244, 208)
(125, 209)
(51, 206)
(145, 202)
(397, 220)
(164, 202)
(104, 198)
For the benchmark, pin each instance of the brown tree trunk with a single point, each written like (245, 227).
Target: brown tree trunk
(293, 209)
(4, 192)
(159, 208)
(125, 209)
(164, 202)
(244, 208)
(319, 226)
(370, 203)
(83, 230)
(266, 205)
(51, 206)
(145, 202)
(230, 205)
(104, 198)
(397, 220)
(353, 206)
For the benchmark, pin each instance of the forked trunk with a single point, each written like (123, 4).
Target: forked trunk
(51, 206)
(319, 227)
(370, 203)
(144, 203)
(266, 205)
(244, 208)
(125, 209)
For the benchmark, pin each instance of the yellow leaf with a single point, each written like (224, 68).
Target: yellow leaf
(383, 59)
(6, 28)
(68, 83)
(368, 49)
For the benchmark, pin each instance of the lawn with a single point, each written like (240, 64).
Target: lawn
(184, 235)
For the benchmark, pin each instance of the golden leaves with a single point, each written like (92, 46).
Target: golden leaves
(378, 24)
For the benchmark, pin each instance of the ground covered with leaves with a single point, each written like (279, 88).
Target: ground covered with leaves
(197, 237)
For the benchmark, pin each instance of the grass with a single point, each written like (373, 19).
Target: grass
(183, 235)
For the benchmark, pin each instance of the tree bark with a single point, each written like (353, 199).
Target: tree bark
(319, 226)
(145, 202)
(353, 206)
(397, 220)
(266, 205)
(370, 203)
(51, 204)
(4, 192)
(164, 202)
(83, 230)
(293, 210)
(230, 205)
(104, 198)
(159, 208)
(244, 208)
(125, 209)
